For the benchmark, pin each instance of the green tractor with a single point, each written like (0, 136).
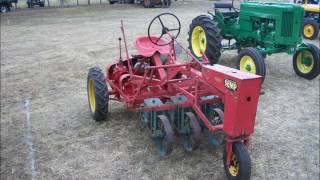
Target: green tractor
(256, 30)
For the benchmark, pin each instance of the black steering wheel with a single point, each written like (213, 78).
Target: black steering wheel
(165, 29)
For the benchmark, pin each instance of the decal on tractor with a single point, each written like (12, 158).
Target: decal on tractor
(231, 84)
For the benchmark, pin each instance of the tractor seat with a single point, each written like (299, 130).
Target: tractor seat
(146, 48)
(227, 10)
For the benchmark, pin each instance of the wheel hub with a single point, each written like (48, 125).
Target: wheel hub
(234, 165)
(199, 42)
(92, 100)
(308, 30)
(247, 65)
(305, 61)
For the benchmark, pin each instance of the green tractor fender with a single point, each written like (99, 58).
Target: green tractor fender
(218, 17)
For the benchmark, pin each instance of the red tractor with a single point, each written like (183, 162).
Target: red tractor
(180, 100)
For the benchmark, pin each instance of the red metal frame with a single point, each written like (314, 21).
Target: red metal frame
(194, 80)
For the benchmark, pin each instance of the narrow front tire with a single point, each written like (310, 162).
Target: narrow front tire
(306, 62)
(251, 60)
(240, 163)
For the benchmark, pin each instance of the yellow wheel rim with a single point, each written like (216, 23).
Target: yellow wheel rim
(92, 100)
(198, 42)
(234, 165)
(308, 30)
(247, 65)
(305, 61)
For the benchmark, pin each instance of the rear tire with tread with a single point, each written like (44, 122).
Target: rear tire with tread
(101, 98)
(213, 38)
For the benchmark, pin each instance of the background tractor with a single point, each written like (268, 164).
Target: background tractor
(6, 5)
(146, 3)
(311, 22)
(257, 30)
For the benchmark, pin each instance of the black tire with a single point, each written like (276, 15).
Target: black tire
(112, 1)
(256, 56)
(212, 37)
(311, 27)
(315, 70)
(29, 5)
(149, 3)
(41, 5)
(97, 89)
(244, 162)
(8, 8)
(3, 9)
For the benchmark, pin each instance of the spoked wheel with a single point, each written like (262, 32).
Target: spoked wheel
(251, 60)
(217, 139)
(240, 163)
(306, 62)
(171, 32)
(205, 38)
(97, 94)
(310, 30)
(191, 141)
(164, 144)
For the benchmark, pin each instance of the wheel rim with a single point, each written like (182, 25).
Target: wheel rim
(305, 61)
(247, 65)
(92, 100)
(308, 30)
(234, 165)
(199, 42)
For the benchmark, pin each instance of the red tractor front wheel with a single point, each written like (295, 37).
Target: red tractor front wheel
(239, 167)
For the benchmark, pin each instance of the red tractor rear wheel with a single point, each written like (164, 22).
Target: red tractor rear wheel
(97, 94)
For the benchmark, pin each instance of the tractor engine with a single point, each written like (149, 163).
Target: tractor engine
(271, 23)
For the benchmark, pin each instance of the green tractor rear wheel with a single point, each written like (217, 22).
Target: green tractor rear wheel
(306, 62)
(251, 60)
(310, 30)
(205, 38)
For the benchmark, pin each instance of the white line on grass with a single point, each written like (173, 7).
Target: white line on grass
(29, 140)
